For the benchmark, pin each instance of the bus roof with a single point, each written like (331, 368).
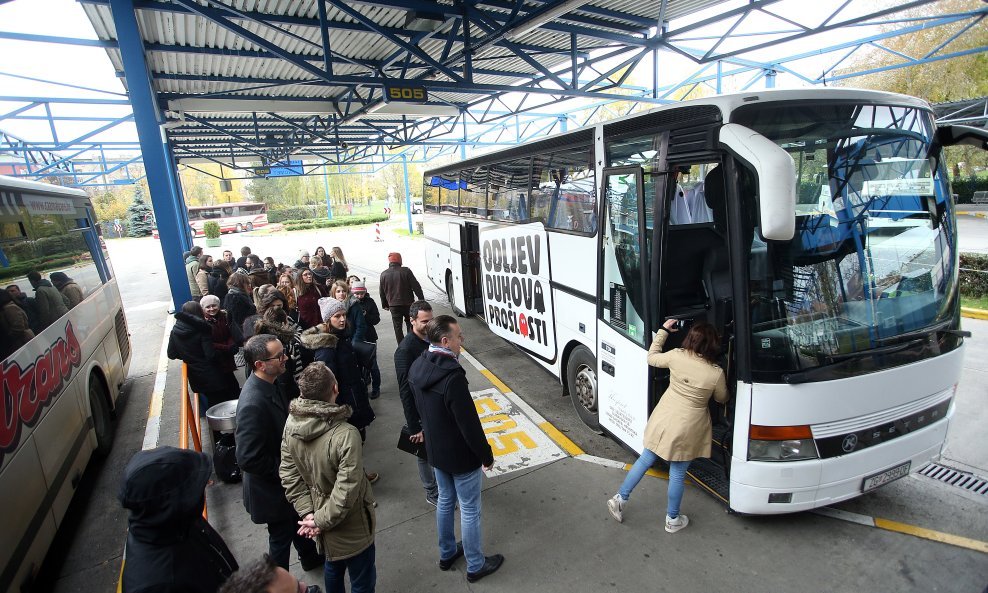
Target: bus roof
(36, 186)
(725, 103)
(226, 205)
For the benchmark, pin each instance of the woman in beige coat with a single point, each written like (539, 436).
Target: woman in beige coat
(679, 428)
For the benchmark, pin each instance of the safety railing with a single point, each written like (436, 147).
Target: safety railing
(189, 421)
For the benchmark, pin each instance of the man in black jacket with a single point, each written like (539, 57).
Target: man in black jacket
(455, 443)
(261, 414)
(408, 351)
(170, 547)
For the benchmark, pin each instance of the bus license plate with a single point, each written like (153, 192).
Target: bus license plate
(872, 482)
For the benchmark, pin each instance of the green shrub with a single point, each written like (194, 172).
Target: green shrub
(335, 222)
(211, 229)
(965, 187)
(297, 213)
(974, 275)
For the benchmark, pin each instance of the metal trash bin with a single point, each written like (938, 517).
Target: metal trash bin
(222, 420)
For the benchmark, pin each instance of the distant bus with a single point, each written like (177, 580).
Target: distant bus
(61, 377)
(236, 217)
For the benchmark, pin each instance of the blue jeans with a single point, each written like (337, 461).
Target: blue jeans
(677, 474)
(363, 573)
(464, 488)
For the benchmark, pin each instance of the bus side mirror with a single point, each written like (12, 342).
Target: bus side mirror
(776, 174)
(962, 135)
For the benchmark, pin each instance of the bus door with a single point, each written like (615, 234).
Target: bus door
(457, 261)
(622, 328)
(472, 292)
(694, 284)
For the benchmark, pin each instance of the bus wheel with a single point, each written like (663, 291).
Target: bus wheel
(581, 379)
(250, 226)
(102, 423)
(240, 228)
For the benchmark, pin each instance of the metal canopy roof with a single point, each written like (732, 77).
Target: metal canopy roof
(249, 82)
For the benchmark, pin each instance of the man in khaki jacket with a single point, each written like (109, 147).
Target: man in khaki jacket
(322, 471)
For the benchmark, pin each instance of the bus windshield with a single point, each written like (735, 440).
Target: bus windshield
(872, 262)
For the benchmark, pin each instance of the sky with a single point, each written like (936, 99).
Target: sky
(90, 67)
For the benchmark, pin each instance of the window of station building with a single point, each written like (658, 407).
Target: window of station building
(449, 193)
(564, 192)
(473, 192)
(431, 191)
(508, 193)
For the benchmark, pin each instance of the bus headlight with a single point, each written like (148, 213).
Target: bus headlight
(781, 443)
(788, 450)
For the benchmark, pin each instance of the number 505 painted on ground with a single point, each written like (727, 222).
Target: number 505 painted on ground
(497, 425)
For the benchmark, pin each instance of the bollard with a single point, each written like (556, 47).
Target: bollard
(377, 233)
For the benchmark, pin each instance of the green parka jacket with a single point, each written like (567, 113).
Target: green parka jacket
(322, 470)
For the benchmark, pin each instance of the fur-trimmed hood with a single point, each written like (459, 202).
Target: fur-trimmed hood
(315, 338)
(283, 331)
(310, 419)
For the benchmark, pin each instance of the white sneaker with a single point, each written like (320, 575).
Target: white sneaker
(616, 506)
(674, 525)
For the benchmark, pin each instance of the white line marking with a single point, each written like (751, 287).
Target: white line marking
(845, 516)
(600, 461)
(153, 428)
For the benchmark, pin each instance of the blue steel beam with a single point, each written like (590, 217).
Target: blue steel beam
(14, 36)
(165, 192)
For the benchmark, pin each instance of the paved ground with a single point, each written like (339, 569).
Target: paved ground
(549, 519)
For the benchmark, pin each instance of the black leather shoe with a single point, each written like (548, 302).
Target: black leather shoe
(448, 563)
(491, 564)
(311, 563)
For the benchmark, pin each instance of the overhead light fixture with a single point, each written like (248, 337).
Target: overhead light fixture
(539, 18)
(424, 22)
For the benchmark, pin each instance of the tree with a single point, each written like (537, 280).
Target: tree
(139, 215)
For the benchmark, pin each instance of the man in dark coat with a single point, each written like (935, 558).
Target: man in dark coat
(408, 351)
(47, 299)
(170, 547)
(398, 289)
(455, 443)
(27, 303)
(261, 414)
(191, 341)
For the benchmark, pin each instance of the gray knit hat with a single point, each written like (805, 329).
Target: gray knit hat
(328, 306)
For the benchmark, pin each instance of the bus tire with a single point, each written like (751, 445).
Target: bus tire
(250, 226)
(240, 228)
(581, 381)
(102, 420)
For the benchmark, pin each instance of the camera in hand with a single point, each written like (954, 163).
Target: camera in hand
(683, 323)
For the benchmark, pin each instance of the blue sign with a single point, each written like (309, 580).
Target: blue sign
(283, 169)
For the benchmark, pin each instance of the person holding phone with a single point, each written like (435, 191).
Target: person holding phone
(679, 429)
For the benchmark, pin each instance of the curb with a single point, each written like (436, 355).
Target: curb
(969, 213)
(974, 313)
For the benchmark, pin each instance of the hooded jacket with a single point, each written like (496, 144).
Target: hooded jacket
(238, 306)
(336, 351)
(454, 439)
(372, 315)
(50, 304)
(170, 547)
(192, 341)
(406, 353)
(71, 292)
(322, 472)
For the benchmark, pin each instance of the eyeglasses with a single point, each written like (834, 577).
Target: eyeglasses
(279, 356)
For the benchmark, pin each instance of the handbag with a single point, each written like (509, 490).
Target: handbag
(366, 353)
(405, 444)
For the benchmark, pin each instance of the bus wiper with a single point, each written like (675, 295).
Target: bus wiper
(925, 332)
(839, 359)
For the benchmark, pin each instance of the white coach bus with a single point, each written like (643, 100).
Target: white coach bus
(61, 374)
(813, 228)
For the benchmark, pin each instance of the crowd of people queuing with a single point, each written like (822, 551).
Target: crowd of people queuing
(308, 339)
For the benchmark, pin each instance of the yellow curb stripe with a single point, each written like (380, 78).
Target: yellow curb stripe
(495, 381)
(937, 536)
(562, 440)
(974, 313)
(652, 472)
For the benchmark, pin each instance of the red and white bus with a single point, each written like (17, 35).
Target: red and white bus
(235, 217)
(61, 369)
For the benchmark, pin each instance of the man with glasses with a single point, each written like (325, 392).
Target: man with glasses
(261, 414)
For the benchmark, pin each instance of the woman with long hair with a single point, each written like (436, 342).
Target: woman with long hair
(678, 430)
(202, 276)
(324, 258)
(239, 301)
(192, 340)
(286, 284)
(340, 268)
(308, 294)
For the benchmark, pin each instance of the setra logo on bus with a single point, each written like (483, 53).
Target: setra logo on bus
(26, 392)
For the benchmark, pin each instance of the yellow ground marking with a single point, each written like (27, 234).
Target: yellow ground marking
(930, 534)
(562, 440)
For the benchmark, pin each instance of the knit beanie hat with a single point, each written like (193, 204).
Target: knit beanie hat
(328, 306)
(394, 257)
(303, 253)
(358, 286)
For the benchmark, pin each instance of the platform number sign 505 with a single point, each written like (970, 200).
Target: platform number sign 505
(501, 429)
(407, 94)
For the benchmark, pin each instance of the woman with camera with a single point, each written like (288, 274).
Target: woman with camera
(678, 429)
